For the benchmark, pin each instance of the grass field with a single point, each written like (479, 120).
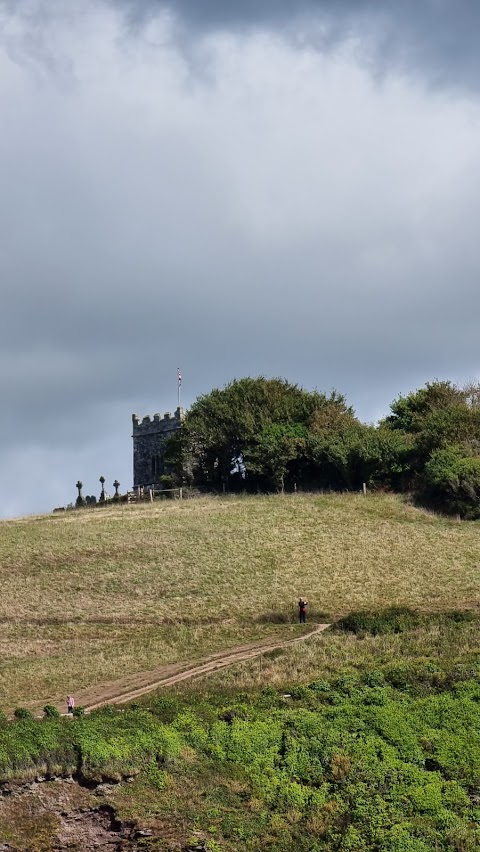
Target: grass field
(91, 596)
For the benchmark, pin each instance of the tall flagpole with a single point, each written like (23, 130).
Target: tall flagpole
(179, 385)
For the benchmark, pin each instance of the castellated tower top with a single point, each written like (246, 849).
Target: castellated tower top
(153, 425)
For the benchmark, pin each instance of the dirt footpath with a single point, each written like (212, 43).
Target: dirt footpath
(133, 686)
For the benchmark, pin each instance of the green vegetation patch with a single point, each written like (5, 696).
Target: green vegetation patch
(399, 619)
(106, 745)
(350, 764)
(354, 763)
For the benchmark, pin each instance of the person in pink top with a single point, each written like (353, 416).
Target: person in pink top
(70, 703)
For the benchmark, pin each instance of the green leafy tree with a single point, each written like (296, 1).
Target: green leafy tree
(347, 453)
(436, 417)
(458, 424)
(177, 460)
(451, 481)
(330, 445)
(410, 412)
(225, 429)
(267, 434)
(273, 450)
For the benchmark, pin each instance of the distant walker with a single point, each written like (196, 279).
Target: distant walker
(302, 610)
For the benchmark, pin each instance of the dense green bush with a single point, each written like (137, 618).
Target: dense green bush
(113, 744)
(399, 619)
(51, 711)
(377, 622)
(451, 480)
(28, 745)
(22, 713)
(78, 711)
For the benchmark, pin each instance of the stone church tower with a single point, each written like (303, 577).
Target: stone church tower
(149, 436)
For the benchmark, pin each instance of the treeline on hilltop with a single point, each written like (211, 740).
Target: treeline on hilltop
(268, 434)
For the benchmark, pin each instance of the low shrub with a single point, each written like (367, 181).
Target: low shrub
(378, 622)
(451, 482)
(78, 712)
(51, 712)
(22, 713)
(374, 677)
(166, 708)
(320, 685)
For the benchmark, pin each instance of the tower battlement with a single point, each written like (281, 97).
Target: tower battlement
(153, 425)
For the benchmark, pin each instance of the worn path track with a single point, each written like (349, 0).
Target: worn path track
(133, 686)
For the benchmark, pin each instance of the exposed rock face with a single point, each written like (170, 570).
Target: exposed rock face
(61, 815)
(94, 829)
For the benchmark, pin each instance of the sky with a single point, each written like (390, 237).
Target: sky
(254, 188)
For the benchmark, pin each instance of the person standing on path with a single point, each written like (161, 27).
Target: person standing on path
(302, 610)
(70, 704)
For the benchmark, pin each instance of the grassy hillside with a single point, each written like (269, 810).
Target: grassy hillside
(362, 739)
(93, 595)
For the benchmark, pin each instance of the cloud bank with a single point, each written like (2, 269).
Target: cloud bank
(225, 194)
(434, 37)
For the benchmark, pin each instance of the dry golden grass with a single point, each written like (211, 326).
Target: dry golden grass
(89, 596)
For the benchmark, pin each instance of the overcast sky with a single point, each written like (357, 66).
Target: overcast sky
(260, 187)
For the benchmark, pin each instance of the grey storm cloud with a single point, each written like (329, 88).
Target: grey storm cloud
(235, 189)
(437, 37)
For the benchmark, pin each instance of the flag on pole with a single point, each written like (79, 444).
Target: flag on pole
(179, 377)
